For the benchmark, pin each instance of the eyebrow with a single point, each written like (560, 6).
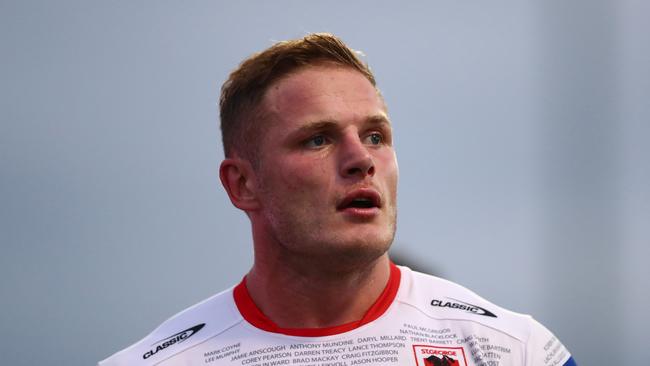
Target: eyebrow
(314, 126)
(378, 119)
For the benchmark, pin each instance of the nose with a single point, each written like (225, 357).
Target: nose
(355, 159)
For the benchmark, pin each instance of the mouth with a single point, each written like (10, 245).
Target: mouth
(360, 199)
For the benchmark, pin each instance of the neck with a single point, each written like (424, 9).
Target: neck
(299, 294)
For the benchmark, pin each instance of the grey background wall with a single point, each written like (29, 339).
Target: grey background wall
(522, 133)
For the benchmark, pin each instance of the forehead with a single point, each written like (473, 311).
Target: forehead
(322, 92)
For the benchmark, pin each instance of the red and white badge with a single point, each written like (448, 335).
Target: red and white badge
(439, 356)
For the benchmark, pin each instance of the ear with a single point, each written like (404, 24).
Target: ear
(238, 178)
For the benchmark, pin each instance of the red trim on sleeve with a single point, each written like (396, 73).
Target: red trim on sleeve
(254, 315)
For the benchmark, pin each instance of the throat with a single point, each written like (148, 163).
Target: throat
(291, 301)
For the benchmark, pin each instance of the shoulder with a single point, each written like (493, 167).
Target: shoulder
(182, 331)
(441, 299)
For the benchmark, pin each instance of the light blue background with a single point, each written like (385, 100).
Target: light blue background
(522, 134)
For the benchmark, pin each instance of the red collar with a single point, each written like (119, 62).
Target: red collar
(254, 315)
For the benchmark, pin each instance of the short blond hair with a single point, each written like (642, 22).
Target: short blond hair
(242, 93)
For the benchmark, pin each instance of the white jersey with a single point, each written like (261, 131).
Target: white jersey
(418, 320)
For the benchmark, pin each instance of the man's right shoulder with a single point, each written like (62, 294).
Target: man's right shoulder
(191, 326)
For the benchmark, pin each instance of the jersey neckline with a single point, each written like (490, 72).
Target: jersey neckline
(252, 314)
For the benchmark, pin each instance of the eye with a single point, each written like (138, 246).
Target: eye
(316, 141)
(374, 138)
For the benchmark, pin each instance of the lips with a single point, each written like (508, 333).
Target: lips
(360, 199)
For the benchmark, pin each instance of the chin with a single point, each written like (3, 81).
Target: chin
(358, 251)
(339, 255)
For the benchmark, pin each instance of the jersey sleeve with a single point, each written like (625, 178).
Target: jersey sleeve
(544, 349)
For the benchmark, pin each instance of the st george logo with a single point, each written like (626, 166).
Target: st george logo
(439, 356)
(440, 361)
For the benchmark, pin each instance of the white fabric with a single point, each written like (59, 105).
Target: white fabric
(456, 331)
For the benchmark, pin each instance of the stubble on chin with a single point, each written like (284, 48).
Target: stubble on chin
(308, 244)
(330, 254)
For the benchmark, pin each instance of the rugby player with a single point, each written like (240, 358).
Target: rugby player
(309, 158)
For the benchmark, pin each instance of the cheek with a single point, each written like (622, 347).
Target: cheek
(389, 167)
(305, 177)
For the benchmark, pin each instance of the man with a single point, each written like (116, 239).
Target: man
(310, 160)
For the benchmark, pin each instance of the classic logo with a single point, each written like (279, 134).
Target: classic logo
(439, 356)
(171, 340)
(460, 305)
